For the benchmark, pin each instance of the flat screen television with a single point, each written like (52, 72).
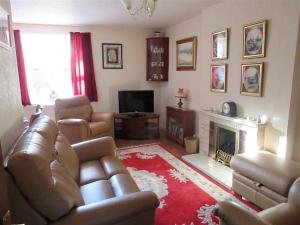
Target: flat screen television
(136, 101)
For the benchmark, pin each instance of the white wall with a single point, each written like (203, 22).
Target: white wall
(279, 62)
(109, 81)
(11, 117)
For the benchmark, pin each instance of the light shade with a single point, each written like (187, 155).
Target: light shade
(181, 93)
(136, 7)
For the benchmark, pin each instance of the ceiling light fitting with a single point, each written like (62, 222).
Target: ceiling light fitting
(136, 7)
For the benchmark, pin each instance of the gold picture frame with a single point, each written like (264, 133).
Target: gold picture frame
(186, 54)
(254, 39)
(252, 79)
(218, 78)
(219, 44)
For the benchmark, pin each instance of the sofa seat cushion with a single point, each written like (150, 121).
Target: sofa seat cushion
(123, 184)
(96, 191)
(91, 171)
(98, 128)
(117, 185)
(267, 169)
(112, 166)
(102, 169)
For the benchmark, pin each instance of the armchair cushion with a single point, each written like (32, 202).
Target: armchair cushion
(74, 107)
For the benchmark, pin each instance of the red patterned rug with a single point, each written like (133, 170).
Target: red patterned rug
(187, 197)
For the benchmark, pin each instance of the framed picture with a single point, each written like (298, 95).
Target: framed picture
(5, 41)
(252, 79)
(186, 50)
(254, 39)
(112, 56)
(218, 78)
(219, 44)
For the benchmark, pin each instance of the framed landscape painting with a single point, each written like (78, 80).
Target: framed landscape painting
(112, 56)
(219, 44)
(254, 40)
(186, 50)
(218, 79)
(5, 41)
(252, 79)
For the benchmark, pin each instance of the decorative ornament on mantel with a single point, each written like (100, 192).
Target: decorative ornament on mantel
(180, 94)
(136, 7)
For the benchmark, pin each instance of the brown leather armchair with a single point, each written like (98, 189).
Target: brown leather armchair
(78, 122)
(282, 214)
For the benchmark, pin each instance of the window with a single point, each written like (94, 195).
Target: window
(47, 62)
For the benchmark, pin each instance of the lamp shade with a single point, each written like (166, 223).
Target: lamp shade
(181, 93)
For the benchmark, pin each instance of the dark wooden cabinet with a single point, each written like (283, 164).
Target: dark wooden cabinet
(180, 124)
(129, 126)
(157, 59)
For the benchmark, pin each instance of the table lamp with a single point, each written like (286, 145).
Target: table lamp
(180, 94)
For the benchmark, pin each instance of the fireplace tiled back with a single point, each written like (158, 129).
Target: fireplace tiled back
(222, 137)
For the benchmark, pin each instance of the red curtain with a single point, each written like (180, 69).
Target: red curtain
(21, 68)
(82, 67)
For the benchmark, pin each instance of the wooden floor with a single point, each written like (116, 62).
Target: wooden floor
(171, 146)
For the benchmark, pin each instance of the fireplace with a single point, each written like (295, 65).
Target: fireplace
(224, 142)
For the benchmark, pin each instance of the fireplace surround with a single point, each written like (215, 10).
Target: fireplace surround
(221, 137)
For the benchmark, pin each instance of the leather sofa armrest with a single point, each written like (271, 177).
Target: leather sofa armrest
(95, 148)
(102, 116)
(75, 130)
(107, 117)
(111, 211)
(232, 214)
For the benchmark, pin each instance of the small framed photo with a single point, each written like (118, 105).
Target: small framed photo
(218, 78)
(252, 79)
(254, 40)
(112, 56)
(219, 44)
(186, 51)
(5, 40)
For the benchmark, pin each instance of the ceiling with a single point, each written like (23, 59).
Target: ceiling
(103, 12)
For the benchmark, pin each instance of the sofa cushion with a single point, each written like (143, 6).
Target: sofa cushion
(112, 166)
(123, 184)
(98, 128)
(44, 182)
(45, 127)
(267, 169)
(66, 156)
(91, 171)
(97, 191)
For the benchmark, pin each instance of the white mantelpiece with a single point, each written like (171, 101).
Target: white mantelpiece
(255, 131)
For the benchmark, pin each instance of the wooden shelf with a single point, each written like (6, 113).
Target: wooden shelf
(180, 124)
(129, 126)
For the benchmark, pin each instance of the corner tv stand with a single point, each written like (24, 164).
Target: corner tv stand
(137, 126)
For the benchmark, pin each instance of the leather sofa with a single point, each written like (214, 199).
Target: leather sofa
(263, 178)
(282, 214)
(52, 182)
(78, 122)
